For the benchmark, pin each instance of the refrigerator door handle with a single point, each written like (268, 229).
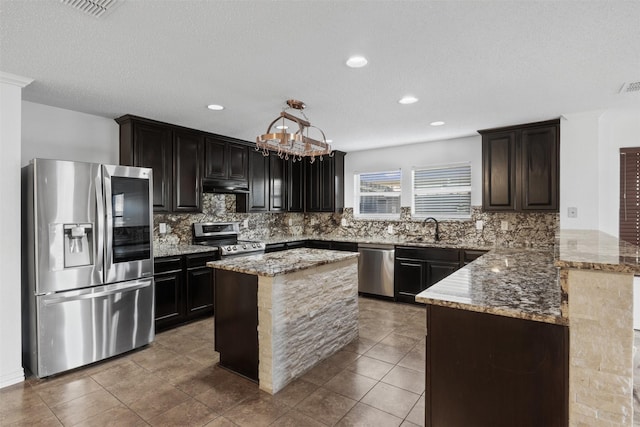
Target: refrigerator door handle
(91, 293)
(100, 225)
(110, 273)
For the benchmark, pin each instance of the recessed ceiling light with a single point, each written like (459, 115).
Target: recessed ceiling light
(438, 123)
(282, 127)
(357, 61)
(215, 107)
(408, 99)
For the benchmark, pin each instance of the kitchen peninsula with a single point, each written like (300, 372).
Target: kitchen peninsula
(278, 314)
(534, 337)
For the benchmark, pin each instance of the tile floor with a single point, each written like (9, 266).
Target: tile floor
(378, 380)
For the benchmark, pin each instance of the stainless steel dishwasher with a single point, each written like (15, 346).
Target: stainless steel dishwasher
(375, 269)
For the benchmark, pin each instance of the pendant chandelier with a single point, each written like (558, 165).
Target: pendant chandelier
(293, 145)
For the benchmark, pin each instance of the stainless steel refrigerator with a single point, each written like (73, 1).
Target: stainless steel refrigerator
(88, 289)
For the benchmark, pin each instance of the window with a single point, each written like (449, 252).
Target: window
(629, 225)
(442, 191)
(377, 194)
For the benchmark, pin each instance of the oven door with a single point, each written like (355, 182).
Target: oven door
(129, 223)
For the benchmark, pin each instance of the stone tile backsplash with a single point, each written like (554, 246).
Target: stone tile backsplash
(523, 229)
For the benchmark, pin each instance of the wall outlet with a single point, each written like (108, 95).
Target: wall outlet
(245, 223)
(290, 222)
(572, 212)
(390, 229)
(479, 225)
(504, 225)
(162, 228)
(343, 222)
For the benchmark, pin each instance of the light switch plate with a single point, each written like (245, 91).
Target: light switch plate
(343, 222)
(504, 225)
(162, 228)
(479, 225)
(290, 222)
(390, 229)
(572, 212)
(245, 224)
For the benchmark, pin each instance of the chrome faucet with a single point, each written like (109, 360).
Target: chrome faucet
(436, 236)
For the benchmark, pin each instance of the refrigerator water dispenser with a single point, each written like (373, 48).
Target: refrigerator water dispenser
(78, 245)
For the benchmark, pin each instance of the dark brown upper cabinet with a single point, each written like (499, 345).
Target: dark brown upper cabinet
(521, 167)
(174, 154)
(188, 148)
(267, 184)
(324, 184)
(295, 186)
(150, 146)
(226, 161)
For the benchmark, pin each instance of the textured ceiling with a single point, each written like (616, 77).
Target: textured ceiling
(472, 64)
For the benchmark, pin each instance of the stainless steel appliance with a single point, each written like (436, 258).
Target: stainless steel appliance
(88, 263)
(224, 235)
(375, 269)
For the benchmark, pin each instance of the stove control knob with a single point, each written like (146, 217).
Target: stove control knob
(253, 245)
(244, 246)
(234, 248)
(228, 248)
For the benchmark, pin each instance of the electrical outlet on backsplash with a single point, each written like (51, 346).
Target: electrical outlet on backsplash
(525, 229)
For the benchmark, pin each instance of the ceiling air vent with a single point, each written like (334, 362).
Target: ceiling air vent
(630, 87)
(95, 8)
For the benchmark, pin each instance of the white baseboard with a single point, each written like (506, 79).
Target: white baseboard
(11, 378)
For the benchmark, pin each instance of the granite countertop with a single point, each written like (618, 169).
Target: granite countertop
(173, 250)
(520, 283)
(376, 240)
(595, 250)
(284, 262)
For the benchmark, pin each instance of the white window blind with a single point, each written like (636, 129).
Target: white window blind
(442, 191)
(377, 194)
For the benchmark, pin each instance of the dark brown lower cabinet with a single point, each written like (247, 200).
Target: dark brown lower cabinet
(168, 280)
(489, 370)
(236, 326)
(183, 289)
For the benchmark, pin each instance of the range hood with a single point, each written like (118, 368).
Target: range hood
(224, 186)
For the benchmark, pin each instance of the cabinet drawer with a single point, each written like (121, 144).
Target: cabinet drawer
(164, 265)
(298, 244)
(428, 254)
(471, 254)
(200, 260)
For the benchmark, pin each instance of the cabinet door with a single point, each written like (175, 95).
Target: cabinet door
(237, 162)
(277, 184)
(168, 295)
(215, 159)
(187, 160)
(327, 184)
(499, 171)
(153, 149)
(258, 182)
(539, 168)
(295, 186)
(199, 287)
(312, 186)
(438, 270)
(409, 279)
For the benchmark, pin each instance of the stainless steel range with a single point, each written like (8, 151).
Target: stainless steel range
(224, 235)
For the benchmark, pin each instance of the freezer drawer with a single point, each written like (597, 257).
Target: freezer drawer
(76, 328)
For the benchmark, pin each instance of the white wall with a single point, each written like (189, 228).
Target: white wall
(405, 157)
(590, 166)
(617, 129)
(579, 174)
(56, 133)
(11, 370)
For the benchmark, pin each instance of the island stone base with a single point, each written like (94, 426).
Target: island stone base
(303, 318)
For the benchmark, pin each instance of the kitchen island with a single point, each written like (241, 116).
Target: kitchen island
(534, 337)
(277, 315)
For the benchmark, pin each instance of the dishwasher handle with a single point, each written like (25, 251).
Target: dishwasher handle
(382, 246)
